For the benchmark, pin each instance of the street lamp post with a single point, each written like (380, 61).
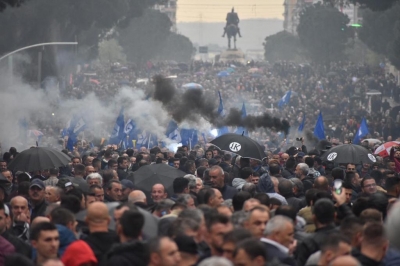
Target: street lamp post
(10, 61)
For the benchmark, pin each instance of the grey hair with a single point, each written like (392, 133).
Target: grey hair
(304, 168)
(238, 218)
(216, 167)
(192, 181)
(94, 176)
(249, 187)
(216, 261)
(297, 182)
(183, 199)
(198, 178)
(227, 203)
(276, 223)
(194, 214)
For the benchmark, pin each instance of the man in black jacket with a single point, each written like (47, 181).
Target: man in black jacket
(286, 189)
(217, 178)
(131, 250)
(302, 174)
(279, 236)
(20, 246)
(100, 239)
(36, 195)
(323, 216)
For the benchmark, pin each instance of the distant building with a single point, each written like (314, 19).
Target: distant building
(169, 8)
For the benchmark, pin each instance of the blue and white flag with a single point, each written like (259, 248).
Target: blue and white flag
(362, 131)
(319, 130)
(285, 99)
(173, 132)
(130, 134)
(303, 122)
(221, 112)
(242, 130)
(118, 133)
(76, 125)
(189, 137)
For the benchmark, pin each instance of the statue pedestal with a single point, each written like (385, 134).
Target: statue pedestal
(233, 55)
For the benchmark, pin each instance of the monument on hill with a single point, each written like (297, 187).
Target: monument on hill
(232, 28)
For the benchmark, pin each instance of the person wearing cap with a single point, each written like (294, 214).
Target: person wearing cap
(127, 188)
(37, 198)
(187, 249)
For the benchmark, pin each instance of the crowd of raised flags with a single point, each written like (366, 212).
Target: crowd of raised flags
(128, 135)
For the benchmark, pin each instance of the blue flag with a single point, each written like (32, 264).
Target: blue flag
(204, 138)
(221, 112)
(301, 126)
(319, 130)
(285, 99)
(189, 137)
(76, 125)
(242, 130)
(362, 131)
(173, 132)
(117, 134)
(130, 134)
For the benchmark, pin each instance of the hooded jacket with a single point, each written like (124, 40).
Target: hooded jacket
(66, 238)
(238, 183)
(265, 185)
(133, 253)
(78, 253)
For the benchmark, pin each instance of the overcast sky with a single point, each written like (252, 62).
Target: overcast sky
(215, 11)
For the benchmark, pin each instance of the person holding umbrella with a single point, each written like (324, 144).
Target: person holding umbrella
(217, 178)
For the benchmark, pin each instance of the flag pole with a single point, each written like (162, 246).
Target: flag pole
(148, 142)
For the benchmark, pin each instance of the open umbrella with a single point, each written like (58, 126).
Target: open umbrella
(253, 70)
(223, 74)
(150, 221)
(384, 149)
(192, 86)
(38, 158)
(148, 175)
(241, 145)
(348, 153)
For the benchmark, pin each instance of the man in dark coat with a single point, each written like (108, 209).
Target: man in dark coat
(217, 179)
(278, 236)
(36, 195)
(131, 250)
(100, 239)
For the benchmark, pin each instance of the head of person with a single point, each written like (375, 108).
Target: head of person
(130, 226)
(281, 230)
(94, 179)
(163, 252)
(123, 162)
(301, 170)
(97, 191)
(19, 208)
(210, 196)
(199, 184)
(187, 200)
(44, 238)
(176, 162)
(180, 185)
(353, 178)
(79, 170)
(249, 204)
(351, 167)
(286, 188)
(250, 252)
(37, 191)
(112, 164)
(323, 212)
(321, 183)
(137, 196)
(53, 194)
(231, 239)
(64, 217)
(97, 217)
(4, 217)
(192, 182)
(352, 227)
(257, 220)
(218, 226)
(374, 240)
(348, 190)
(246, 173)
(89, 170)
(368, 185)
(158, 193)
(217, 177)
(239, 199)
(127, 188)
(114, 190)
(8, 175)
(336, 245)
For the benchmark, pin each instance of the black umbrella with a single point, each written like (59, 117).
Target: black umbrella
(38, 158)
(349, 153)
(148, 175)
(150, 221)
(241, 145)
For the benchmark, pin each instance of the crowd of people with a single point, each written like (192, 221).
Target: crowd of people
(340, 93)
(224, 210)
